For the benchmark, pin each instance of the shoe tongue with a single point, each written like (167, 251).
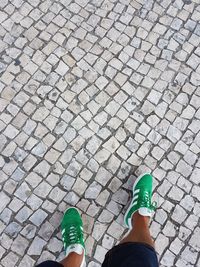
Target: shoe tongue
(77, 248)
(145, 212)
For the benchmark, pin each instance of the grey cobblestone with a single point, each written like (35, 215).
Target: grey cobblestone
(91, 93)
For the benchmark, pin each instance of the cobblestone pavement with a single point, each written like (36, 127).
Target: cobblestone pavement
(93, 93)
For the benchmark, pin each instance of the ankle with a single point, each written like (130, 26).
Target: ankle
(73, 259)
(137, 217)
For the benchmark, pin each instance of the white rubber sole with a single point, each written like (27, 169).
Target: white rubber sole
(130, 219)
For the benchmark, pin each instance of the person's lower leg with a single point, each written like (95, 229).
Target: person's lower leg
(72, 260)
(140, 231)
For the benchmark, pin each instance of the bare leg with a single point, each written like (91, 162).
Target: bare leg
(72, 260)
(140, 231)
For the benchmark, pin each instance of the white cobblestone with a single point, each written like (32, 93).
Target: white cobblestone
(91, 93)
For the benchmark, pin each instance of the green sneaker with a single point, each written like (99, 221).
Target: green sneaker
(72, 232)
(141, 202)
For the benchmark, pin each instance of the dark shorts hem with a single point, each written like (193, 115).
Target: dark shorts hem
(50, 264)
(131, 254)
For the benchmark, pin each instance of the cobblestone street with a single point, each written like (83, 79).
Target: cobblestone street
(92, 94)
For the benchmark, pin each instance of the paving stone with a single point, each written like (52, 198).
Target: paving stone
(102, 155)
(57, 194)
(103, 197)
(52, 156)
(19, 245)
(93, 209)
(98, 230)
(106, 216)
(176, 193)
(174, 134)
(163, 243)
(103, 176)
(55, 245)
(191, 222)
(93, 144)
(176, 245)
(4, 200)
(62, 68)
(23, 214)
(42, 168)
(107, 242)
(40, 114)
(73, 128)
(6, 242)
(23, 192)
(93, 190)
(13, 229)
(33, 179)
(169, 229)
(10, 259)
(15, 204)
(29, 231)
(6, 215)
(38, 217)
(80, 186)
(43, 189)
(195, 175)
(161, 216)
(89, 243)
(74, 168)
(100, 253)
(67, 182)
(120, 197)
(189, 254)
(184, 233)
(184, 168)
(115, 230)
(179, 214)
(11, 131)
(194, 242)
(195, 191)
(36, 246)
(113, 164)
(94, 264)
(168, 258)
(26, 261)
(184, 184)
